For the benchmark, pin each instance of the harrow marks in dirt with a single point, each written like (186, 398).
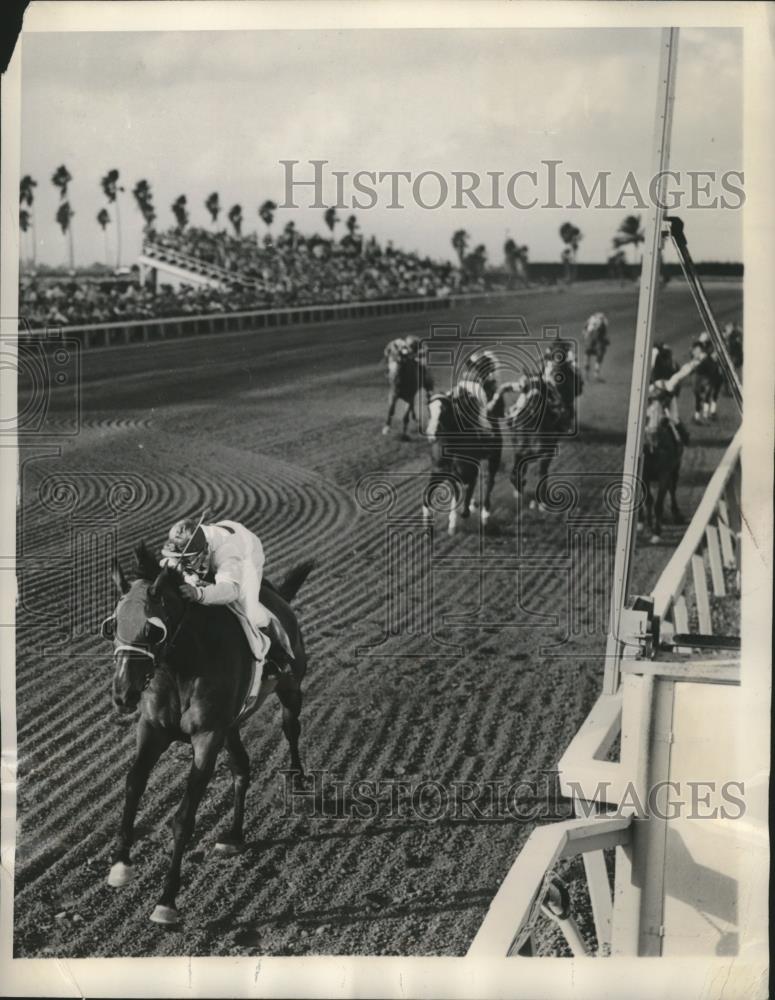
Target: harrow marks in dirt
(319, 875)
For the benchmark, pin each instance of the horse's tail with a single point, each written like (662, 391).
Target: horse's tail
(294, 580)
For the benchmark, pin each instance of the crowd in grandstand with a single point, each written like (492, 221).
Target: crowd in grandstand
(292, 270)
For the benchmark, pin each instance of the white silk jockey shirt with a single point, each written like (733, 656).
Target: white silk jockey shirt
(237, 565)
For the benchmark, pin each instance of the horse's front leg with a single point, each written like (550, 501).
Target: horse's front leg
(151, 743)
(544, 461)
(493, 464)
(409, 411)
(205, 747)
(392, 400)
(239, 765)
(659, 504)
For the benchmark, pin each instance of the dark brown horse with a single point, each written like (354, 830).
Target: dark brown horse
(407, 375)
(662, 454)
(187, 669)
(536, 421)
(462, 437)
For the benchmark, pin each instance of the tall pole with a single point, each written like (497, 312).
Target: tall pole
(641, 365)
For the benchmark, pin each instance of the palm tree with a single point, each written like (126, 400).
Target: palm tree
(352, 226)
(235, 218)
(266, 213)
(213, 206)
(571, 236)
(460, 240)
(180, 212)
(510, 255)
(103, 218)
(60, 179)
(476, 261)
(27, 197)
(629, 233)
(112, 189)
(331, 219)
(144, 198)
(64, 218)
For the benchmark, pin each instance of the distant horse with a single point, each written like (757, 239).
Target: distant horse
(733, 338)
(536, 420)
(595, 344)
(407, 376)
(561, 372)
(708, 380)
(662, 453)
(461, 437)
(187, 669)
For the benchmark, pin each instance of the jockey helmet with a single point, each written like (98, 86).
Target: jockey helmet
(186, 546)
(704, 338)
(413, 343)
(482, 364)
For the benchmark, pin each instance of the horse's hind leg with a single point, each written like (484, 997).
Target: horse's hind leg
(205, 747)
(151, 743)
(493, 464)
(289, 693)
(239, 764)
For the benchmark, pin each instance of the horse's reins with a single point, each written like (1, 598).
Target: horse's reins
(131, 647)
(171, 644)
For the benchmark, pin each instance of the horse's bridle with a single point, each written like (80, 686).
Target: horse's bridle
(150, 651)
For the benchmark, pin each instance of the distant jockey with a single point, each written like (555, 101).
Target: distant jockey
(733, 338)
(223, 563)
(665, 389)
(395, 348)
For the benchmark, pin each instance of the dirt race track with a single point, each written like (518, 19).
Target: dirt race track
(277, 429)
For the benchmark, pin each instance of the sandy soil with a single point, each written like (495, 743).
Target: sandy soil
(278, 429)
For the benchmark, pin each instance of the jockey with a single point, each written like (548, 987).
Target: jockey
(222, 563)
(596, 326)
(400, 345)
(478, 380)
(665, 390)
(562, 374)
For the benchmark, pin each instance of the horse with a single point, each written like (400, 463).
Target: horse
(186, 669)
(662, 453)
(707, 382)
(595, 344)
(535, 421)
(461, 438)
(407, 375)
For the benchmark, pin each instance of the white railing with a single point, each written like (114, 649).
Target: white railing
(530, 889)
(157, 252)
(710, 546)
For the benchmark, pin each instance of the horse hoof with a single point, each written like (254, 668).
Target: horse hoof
(451, 529)
(228, 848)
(166, 915)
(533, 505)
(120, 874)
(385, 430)
(427, 514)
(655, 539)
(485, 515)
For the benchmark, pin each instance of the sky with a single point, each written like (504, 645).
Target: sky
(196, 112)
